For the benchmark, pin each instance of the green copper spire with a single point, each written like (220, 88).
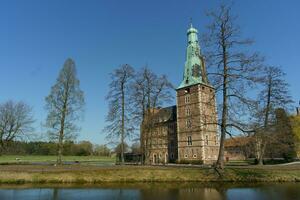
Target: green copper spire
(194, 70)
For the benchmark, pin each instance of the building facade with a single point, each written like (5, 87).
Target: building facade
(159, 138)
(190, 136)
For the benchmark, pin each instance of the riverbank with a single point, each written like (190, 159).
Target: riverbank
(88, 174)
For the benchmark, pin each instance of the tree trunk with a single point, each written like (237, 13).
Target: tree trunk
(259, 149)
(1, 148)
(220, 161)
(262, 142)
(123, 124)
(60, 140)
(62, 128)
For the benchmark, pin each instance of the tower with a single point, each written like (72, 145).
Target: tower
(196, 109)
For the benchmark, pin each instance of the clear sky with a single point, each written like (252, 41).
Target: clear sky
(38, 35)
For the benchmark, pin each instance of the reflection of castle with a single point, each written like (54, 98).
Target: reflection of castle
(181, 194)
(186, 132)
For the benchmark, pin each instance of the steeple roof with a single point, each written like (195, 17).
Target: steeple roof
(194, 69)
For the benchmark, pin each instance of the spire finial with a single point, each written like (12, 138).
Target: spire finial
(191, 22)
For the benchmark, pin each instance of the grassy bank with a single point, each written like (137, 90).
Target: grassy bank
(15, 159)
(20, 174)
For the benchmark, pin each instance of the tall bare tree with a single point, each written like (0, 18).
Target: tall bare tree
(232, 70)
(15, 122)
(65, 106)
(149, 92)
(118, 118)
(274, 94)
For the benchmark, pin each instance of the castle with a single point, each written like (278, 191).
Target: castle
(186, 132)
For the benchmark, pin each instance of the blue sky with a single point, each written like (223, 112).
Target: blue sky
(38, 35)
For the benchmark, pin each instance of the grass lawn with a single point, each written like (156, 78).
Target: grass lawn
(51, 159)
(94, 169)
(89, 174)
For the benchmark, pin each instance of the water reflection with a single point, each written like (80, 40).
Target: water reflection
(154, 191)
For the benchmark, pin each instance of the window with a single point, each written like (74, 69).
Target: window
(195, 156)
(206, 139)
(188, 123)
(187, 99)
(185, 156)
(188, 112)
(216, 140)
(190, 142)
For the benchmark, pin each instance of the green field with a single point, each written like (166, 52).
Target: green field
(96, 160)
(94, 169)
(92, 174)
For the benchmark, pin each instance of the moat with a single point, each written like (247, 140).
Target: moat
(142, 191)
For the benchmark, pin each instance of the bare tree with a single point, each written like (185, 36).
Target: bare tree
(149, 92)
(15, 122)
(232, 70)
(118, 117)
(274, 94)
(64, 105)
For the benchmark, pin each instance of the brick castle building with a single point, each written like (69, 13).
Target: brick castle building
(187, 132)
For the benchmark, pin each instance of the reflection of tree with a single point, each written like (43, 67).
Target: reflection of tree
(55, 194)
(222, 192)
(120, 194)
(279, 191)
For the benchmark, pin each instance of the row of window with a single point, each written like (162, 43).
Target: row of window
(161, 143)
(157, 143)
(186, 156)
(192, 152)
(187, 97)
(188, 124)
(190, 141)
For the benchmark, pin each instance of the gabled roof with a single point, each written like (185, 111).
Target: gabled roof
(166, 114)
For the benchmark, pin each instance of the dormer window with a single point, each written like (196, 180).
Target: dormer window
(196, 70)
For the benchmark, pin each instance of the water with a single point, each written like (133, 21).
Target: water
(175, 191)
